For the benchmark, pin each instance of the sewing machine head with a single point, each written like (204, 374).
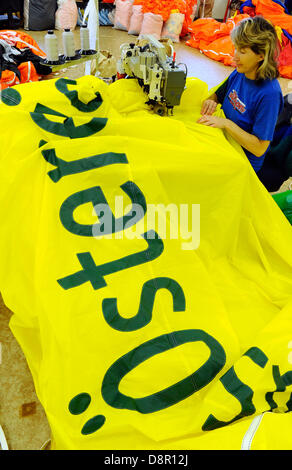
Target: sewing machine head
(161, 78)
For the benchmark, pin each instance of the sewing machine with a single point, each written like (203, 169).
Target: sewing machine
(161, 78)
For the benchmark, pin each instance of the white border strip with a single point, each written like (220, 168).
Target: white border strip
(250, 433)
(3, 442)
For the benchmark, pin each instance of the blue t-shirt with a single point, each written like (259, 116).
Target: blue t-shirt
(252, 105)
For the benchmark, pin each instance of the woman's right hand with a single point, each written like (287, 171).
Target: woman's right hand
(208, 107)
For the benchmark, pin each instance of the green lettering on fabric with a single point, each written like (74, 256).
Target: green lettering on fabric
(173, 394)
(289, 403)
(42, 143)
(66, 128)
(79, 404)
(10, 97)
(42, 109)
(257, 356)
(281, 382)
(93, 425)
(95, 274)
(93, 105)
(65, 168)
(110, 224)
(144, 315)
(239, 390)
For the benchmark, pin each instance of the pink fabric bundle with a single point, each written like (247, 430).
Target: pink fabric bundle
(66, 15)
(123, 15)
(152, 24)
(136, 20)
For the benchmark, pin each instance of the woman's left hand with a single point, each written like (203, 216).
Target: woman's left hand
(212, 121)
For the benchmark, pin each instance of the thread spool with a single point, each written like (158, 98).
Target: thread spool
(51, 47)
(84, 38)
(68, 44)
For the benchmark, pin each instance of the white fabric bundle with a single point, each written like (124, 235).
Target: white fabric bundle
(173, 26)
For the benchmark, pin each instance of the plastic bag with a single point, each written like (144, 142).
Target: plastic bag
(136, 20)
(173, 26)
(123, 14)
(107, 65)
(152, 24)
(66, 15)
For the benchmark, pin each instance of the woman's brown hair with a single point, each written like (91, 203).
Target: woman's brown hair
(260, 36)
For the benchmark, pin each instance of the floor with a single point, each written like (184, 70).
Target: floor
(21, 415)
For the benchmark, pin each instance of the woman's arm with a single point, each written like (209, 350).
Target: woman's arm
(249, 141)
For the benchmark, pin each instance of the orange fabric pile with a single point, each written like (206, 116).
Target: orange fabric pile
(188, 20)
(164, 8)
(274, 12)
(27, 69)
(213, 37)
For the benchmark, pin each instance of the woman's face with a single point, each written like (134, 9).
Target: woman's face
(247, 61)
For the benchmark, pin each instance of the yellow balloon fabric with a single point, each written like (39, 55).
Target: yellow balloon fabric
(167, 332)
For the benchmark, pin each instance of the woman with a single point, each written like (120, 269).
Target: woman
(251, 97)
